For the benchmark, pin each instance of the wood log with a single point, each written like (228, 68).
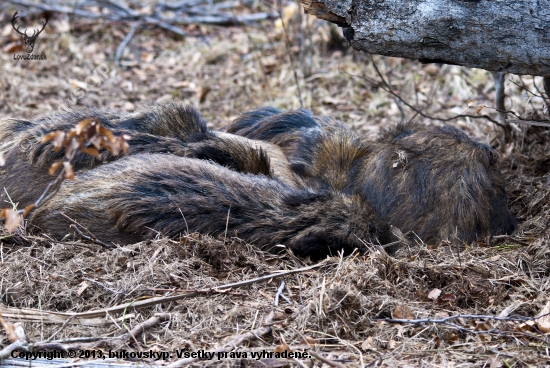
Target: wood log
(497, 35)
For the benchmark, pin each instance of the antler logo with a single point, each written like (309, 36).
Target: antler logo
(29, 40)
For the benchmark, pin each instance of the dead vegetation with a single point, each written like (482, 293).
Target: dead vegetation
(340, 310)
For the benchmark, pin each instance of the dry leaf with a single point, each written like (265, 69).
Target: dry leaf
(367, 344)
(434, 294)
(82, 125)
(74, 145)
(528, 326)
(92, 152)
(483, 326)
(96, 141)
(9, 328)
(400, 330)
(402, 312)
(69, 172)
(203, 92)
(334, 101)
(12, 219)
(58, 140)
(282, 348)
(479, 108)
(470, 103)
(15, 47)
(83, 286)
(19, 331)
(450, 337)
(107, 133)
(493, 259)
(309, 340)
(441, 314)
(447, 298)
(125, 146)
(495, 362)
(28, 209)
(48, 137)
(288, 13)
(421, 294)
(55, 166)
(391, 344)
(543, 323)
(78, 84)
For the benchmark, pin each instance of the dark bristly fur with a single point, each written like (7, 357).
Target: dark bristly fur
(436, 182)
(26, 173)
(135, 197)
(167, 128)
(287, 178)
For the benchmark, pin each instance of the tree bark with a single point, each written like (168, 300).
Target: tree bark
(498, 35)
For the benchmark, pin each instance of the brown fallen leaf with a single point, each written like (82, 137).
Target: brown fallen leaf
(69, 172)
(367, 344)
(92, 151)
(13, 219)
(479, 108)
(434, 294)
(282, 348)
(543, 323)
(447, 298)
(309, 340)
(402, 312)
(82, 125)
(9, 328)
(203, 92)
(55, 167)
(494, 258)
(83, 286)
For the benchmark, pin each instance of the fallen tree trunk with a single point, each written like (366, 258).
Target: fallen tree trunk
(503, 36)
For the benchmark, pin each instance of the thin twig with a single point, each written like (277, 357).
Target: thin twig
(158, 300)
(511, 238)
(325, 360)
(143, 326)
(300, 288)
(446, 321)
(532, 123)
(500, 95)
(388, 89)
(125, 41)
(94, 342)
(464, 316)
(90, 237)
(122, 13)
(201, 291)
(49, 339)
(279, 293)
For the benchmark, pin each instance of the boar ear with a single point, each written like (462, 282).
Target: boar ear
(250, 120)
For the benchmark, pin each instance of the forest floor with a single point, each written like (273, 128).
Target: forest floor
(338, 310)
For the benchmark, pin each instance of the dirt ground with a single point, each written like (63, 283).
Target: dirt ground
(338, 310)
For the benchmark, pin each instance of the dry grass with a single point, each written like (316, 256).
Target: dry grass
(336, 308)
